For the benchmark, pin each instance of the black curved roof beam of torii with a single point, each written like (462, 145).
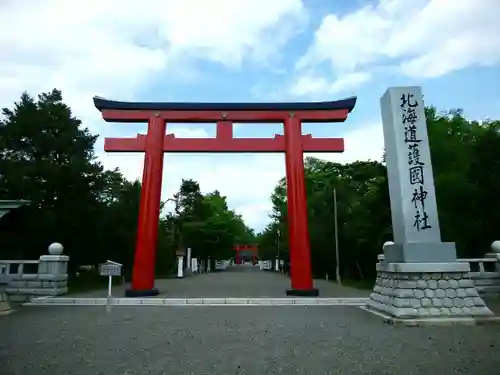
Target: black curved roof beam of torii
(330, 111)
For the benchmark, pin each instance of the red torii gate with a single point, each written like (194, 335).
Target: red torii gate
(252, 248)
(293, 143)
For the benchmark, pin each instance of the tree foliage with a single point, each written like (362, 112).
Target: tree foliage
(206, 223)
(47, 157)
(465, 163)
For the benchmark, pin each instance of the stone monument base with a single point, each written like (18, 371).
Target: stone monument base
(426, 290)
(439, 252)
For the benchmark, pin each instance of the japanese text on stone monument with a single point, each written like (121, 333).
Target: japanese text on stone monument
(409, 120)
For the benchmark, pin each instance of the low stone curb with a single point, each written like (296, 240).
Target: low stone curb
(426, 322)
(63, 301)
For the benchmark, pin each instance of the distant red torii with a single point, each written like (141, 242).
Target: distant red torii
(253, 248)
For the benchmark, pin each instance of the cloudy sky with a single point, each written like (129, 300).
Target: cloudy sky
(250, 50)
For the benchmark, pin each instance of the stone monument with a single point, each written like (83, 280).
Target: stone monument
(419, 275)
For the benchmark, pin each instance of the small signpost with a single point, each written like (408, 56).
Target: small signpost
(110, 269)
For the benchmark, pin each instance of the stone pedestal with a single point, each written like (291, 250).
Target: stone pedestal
(51, 279)
(53, 264)
(426, 290)
(415, 252)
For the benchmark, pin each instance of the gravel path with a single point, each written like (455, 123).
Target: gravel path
(236, 340)
(236, 281)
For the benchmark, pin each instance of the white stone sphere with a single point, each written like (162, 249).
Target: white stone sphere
(55, 248)
(387, 243)
(495, 246)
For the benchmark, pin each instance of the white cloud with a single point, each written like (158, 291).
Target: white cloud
(366, 142)
(116, 48)
(307, 85)
(424, 38)
(113, 47)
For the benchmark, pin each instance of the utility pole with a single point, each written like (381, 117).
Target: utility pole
(176, 234)
(278, 234)
(174, 227)
(279, 260)
(337, 258)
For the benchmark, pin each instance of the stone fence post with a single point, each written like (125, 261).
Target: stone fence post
(50, 280)
(55, 263)
(53, 270)
(495, 248)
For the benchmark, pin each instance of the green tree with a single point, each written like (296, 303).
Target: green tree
(206, 223)
(465, 162)
(47, 157)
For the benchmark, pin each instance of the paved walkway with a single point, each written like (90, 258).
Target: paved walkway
(317, 340)
(146, 340)
(237, 281)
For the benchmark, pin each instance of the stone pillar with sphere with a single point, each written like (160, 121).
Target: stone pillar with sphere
(495, 248)
(53, 271)
(51, 278)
